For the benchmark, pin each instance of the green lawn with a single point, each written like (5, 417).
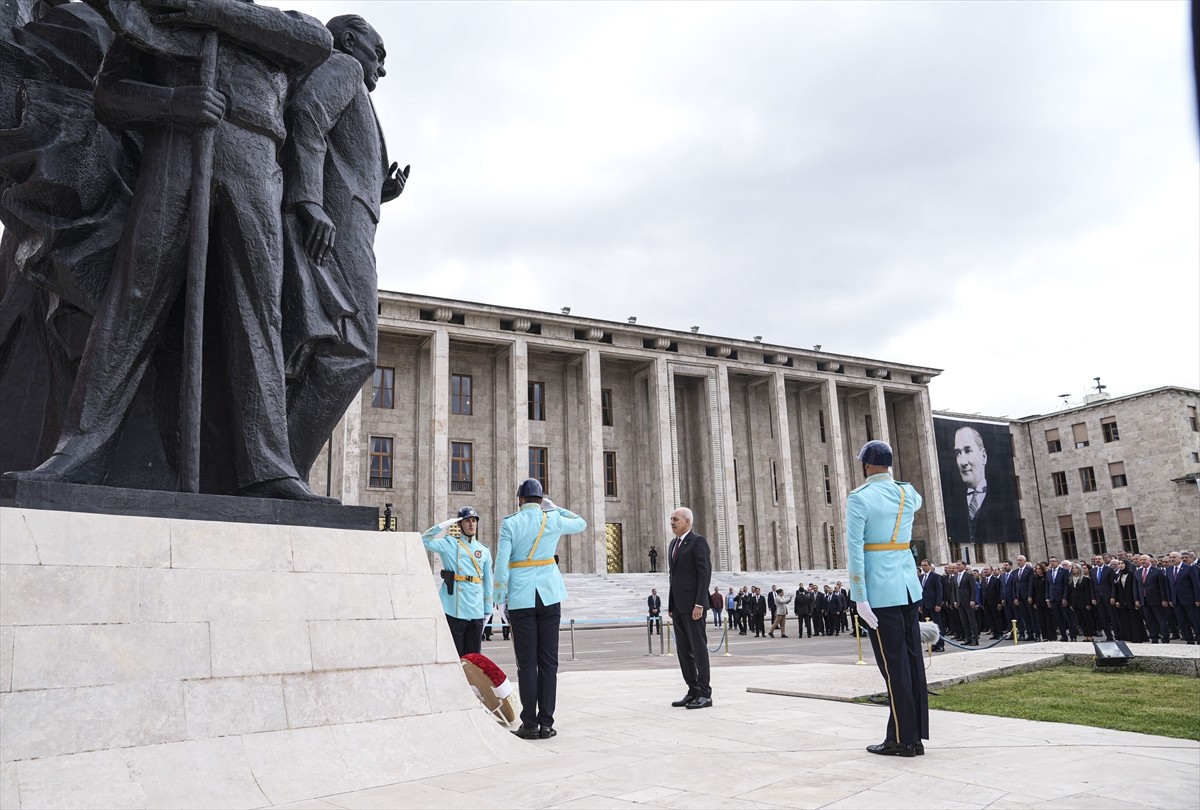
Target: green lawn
(1167, 705)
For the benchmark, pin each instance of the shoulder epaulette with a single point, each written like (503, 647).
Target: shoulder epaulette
(514, 514)
(857, 488)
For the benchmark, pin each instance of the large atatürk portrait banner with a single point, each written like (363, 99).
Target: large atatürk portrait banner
(979, 485)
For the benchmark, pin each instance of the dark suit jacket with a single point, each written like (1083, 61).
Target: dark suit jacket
(963, 588)
(654, 605)
(803, 603)
(1080, 596)
(834, 603)
(1155, 589)
(1056, 585)
(992, 593)
(1024, 586)
(691, 572)
(1130, 592)
(1184, 588)
(931, 591)
(990, 526)
(1102, 577)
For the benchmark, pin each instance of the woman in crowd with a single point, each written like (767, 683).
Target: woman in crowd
(1127, 601)
(1043, 618)
(1079, 595)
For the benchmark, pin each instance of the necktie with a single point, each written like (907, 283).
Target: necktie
(675, 553)
(973, 503)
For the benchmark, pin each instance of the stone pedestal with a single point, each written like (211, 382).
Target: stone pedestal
(154, 662)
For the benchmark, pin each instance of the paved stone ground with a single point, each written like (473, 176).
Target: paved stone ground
(621, 744)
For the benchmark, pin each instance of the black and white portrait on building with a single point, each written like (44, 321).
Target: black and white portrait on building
(979, 486)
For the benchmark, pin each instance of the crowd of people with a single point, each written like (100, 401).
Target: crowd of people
(1126, 597)
(818, 611)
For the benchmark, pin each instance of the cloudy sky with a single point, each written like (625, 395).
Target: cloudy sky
(1007, 191)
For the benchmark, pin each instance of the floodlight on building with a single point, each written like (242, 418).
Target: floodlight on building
(816, 347)
(566, 310)
(633, 319)
(695, 329)
(758, 338)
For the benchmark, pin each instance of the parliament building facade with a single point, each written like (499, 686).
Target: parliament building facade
(622, 423)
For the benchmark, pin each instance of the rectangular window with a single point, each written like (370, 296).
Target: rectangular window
(539, 465)
(821, 422)
(1096, 530)
(737, 493)
(1002, 551)
(537, 402)
(828, 488)
(1017, 478)
(1087, 479)
(1109, 425)
(774, 482)
(1060, 483)
(979, 552)
(383, 388)
(1053, 442)
(1066, 530)
(1196, 458)
(461, 467)
(1116, 472)
(1079, 433)
(1129, 540)
(606, 414)
(870, 430)
(460, 394)
(380, 474)
(1191, 418)
(610, 474)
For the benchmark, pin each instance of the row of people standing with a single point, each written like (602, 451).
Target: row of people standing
(1133, 598)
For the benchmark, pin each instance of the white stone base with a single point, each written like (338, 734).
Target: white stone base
(147, 662)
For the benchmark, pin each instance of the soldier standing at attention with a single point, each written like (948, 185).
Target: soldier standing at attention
(466, 578)
(529, 583)
(883, 582)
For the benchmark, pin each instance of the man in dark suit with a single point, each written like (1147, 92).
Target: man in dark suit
(803, 604)
(818, 613)
(973, 517)
(1057, 577)
(1023, 599)
(964, 603)
(993, 602)
(654, 610)
(833, 611)
(687, 602)
(1184, 587)
(931, 600)
(758, 615)
(1102, 576)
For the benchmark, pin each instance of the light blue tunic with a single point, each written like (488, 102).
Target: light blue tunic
(520, 585)
(882, 578)
(467, 558)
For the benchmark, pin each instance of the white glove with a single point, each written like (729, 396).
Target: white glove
(446, 524)
(867, 615)
(502, 609)
(548, 505)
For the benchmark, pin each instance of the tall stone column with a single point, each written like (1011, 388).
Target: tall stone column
(938, 546)
(346, 452)
(727, 516)
(838, 448)
(879, 413)
(783, 469)
(439, 424)
(594, 443)
(665, 493)
(518, 378)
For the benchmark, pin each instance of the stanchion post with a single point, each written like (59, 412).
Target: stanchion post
(858, 637)
(670, 625)
(727, 652)
(573, 658)
(1014, 632)
(649, 636)
(660, 637)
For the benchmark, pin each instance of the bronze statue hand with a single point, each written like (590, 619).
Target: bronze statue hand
(197, 106)
(318, 229)
(393, 182)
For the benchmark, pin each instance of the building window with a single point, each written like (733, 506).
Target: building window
(979, 552)
(1116, 472)
(737, 493)
(1109, 425)
(1079, 434)
(1053, 442)
(1060, 483)
(1196, 458)
(828, 488)
(1129, 541)
(1002, 551)
(774, 482)
(1096, 530)
(1066, 530)
(610, 474)
(606, 414)
(537, 402)
(383, 388)
(461, 467)
(870, 429)
(539, 465)
(1087, 479)
(821, 422)
(1191, 418)
(460, 394)
(380, 475)
(1017, 478)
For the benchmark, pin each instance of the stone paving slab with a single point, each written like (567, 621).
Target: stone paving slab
(621, 744)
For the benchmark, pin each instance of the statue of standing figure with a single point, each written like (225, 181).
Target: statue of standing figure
(287, 295)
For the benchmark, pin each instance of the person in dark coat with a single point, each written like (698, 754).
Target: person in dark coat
(1079, 595)
(1045, 620)
(803, 604)
(1127, 600)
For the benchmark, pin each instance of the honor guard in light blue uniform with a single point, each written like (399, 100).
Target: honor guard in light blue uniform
(883, 583)
(528, 580)
(466, 578)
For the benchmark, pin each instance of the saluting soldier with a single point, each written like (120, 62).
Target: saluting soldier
(883, 583)
(466, 578)
(528, 580)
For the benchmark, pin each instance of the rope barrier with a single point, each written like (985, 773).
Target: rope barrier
(724, 640)
(1005, 637)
